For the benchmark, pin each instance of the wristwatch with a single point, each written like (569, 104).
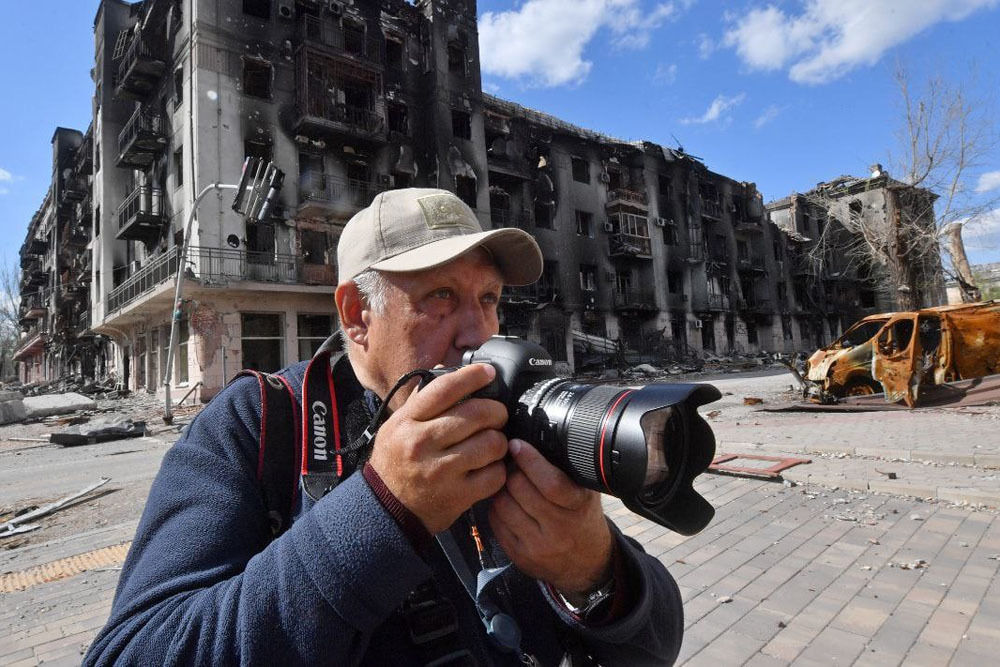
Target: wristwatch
(593, 600)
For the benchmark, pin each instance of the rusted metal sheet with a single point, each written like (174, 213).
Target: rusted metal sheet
(724, 463)
(901, 355)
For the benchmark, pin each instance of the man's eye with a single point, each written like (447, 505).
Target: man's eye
(443, 293)
(491, 298)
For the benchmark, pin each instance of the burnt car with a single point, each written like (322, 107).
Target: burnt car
(897, 353)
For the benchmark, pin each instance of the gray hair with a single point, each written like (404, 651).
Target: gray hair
(374, 290)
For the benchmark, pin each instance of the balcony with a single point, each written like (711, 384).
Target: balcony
(711, 209)
(625, 197)
(74, 189)
(321, 196)
(340, 40)
(696, 251)
(141, 140)
(529, 295)
(630, 245)
(717, 302)
(502, 217)
(140, 216)
(749, 225)
(757, 305)
(338, 98)
(717, 253)
(140, 69)
(85, 155)
(37, 246)
(804, 266)
(754, 263)
(74, 235)
(32, 343)
(636, 300)
(35, 276)
(216, 267)
(677, 301)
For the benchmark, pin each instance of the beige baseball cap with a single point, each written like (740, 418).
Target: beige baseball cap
(421, 228)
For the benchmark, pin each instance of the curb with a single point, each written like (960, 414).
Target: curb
(905, 455)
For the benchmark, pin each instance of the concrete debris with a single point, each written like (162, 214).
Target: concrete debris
(916, 517)
(918, 564)
(725, 599)
(752, 400)
(11, 526)
(11, 407)
(100, 430)
(48, 405)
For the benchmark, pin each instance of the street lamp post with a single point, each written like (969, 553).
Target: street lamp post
(168, 416)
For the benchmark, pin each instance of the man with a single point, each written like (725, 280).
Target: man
(381, 569)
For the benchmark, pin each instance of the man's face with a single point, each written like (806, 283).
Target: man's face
(432, 317)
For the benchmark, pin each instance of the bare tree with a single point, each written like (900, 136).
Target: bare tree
(944, 137)
(10, 313)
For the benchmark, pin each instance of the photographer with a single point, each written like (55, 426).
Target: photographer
(380, 564)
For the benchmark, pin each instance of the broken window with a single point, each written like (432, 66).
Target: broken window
(588, 277)
(585, 223)
(401, 180)
(358, 173)
(786, 327)
(752, 333)
(398, 118)
(260, 243)
(178, 86)
(456, 58)
(262, 341)
(97, 220)
(663, 185)
(393, 53)
(543, 215)
(548, 283)
(867, 298)
(675, 282)
(465, 188)
(896, 337)
(258, 8)
(776, 248)
(782, 293)
(312, 174)
(461, 124)
(354, 38)
(742, 250)
(179, 167)
(181, 370)
(581, 170)
(930, 334)
(257, 76)
(313, 331)
(261, 147)
(314, 246)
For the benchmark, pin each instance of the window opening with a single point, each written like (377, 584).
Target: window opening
(581, 170)
(313, 330)
(461, 124)
(262, 341)
(585, 223)
(257, 76)
(258, 8)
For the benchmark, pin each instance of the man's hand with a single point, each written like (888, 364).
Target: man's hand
(439, 454)
(552, 529)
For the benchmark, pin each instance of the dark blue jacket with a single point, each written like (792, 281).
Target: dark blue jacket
(202, 584)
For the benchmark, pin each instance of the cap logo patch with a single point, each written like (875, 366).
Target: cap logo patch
(444, 212)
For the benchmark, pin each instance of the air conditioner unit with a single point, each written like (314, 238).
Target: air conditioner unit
(336, 8)
(133, 267)
(604, 177)
(608, 227)
(697, 324)
(286, 10)
(660, 222)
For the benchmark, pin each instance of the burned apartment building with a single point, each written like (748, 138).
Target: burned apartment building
(55, 265)
(834, 228)
(649, 254)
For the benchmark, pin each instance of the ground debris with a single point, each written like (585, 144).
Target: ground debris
(918, 564)
(11, 526)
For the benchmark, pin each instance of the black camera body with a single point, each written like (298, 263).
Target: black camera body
(644, 445)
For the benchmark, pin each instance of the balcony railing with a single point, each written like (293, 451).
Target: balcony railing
(350, 193)
(755, 304)
(355, 44)
(142, 139)
(718, 302)
(529, 294)
(502, 217)
(140, 69)
(629, 197)
(630, 245)
(321, 101)
(718, 253)
(211, 266)
(711, 209)
(634, 299)
(140, 216)
(696, 251)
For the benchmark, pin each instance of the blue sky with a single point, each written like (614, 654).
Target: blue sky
(782, 93)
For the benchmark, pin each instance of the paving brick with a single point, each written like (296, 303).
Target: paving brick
(862, 617)
(834, 647)
(730, 648)
(925, 654)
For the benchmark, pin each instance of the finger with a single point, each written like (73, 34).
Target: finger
(486, 481)
(531, 500)
(477, 451)
(508, 539)
(550, 481)
(446, 390)
(514, 516)
(463, 420)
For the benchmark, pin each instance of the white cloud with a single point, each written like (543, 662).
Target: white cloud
(828, 38)
(984, 228)
(988, 181)
(542, 41)
(5, 176)
(4, 191)
(706, 46)
(719, 106)
(767, 115)
(665, 74)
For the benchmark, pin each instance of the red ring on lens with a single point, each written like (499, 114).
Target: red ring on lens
(604, 428)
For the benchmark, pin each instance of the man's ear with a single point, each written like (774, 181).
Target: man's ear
(352, 309)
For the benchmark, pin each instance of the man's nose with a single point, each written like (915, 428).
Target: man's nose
(474, 327)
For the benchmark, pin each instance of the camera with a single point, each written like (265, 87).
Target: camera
(644, 445)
